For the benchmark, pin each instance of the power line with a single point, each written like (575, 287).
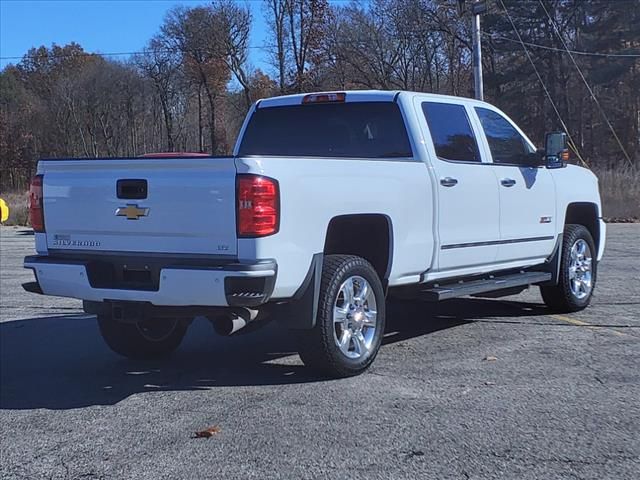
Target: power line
(111, 54)
(79, 54)
(264, 47)
(546, 90)
(604, 115)
(563, 50)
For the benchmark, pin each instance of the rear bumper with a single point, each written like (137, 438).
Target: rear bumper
(230, 284)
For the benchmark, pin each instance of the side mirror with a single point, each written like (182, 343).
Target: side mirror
(556, 152)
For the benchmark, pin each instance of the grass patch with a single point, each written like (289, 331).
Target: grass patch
(620, 192)
(18, 207)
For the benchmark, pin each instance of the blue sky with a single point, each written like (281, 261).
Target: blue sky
(99, 25)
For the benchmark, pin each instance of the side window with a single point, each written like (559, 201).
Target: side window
(505, 142)
(451, 132)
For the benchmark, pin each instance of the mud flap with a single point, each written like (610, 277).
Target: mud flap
(552, 265)
(301, 311)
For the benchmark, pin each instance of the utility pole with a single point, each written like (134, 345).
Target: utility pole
(477, 57)
(478, 7)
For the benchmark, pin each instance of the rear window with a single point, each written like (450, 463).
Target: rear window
(360, 130)
(451, 132)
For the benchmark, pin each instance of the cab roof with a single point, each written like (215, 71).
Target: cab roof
(357, 96)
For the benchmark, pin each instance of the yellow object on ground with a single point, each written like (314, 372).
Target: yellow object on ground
(4, 211)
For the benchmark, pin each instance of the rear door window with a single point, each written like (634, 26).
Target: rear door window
(451, 132)
(352, 129)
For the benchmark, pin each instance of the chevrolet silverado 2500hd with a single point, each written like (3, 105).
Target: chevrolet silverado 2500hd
(330, 202)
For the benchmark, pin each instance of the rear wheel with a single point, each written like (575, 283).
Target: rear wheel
(577, 277)
(350, 321)
(149, 338)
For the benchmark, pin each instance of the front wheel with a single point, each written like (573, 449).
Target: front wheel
(149, 338)
(350, 321)
(578, 269)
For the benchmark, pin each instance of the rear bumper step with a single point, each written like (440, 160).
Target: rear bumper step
(439, 292)
(227, 284)
(32, 287)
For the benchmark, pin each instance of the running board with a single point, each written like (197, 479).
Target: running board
(462, 288)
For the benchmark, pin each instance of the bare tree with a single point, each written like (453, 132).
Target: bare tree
(235, 22)
(197, 34)
(162, 66)
(306, 23)
(276, 16)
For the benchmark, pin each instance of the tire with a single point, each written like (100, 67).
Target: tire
(152, 338)
(347, 344)
(578, 272)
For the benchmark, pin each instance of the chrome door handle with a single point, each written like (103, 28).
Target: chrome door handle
(448, 182)
(508, 182)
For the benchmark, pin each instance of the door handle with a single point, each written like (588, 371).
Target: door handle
(508, 182)
(448, 182)
(130, 189)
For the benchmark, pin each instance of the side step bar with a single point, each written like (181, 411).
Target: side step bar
(439, 292)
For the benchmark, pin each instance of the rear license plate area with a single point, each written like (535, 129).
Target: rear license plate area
(123, 276)
(142, 277)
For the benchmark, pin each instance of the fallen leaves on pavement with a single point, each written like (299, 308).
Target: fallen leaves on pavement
(209, 432)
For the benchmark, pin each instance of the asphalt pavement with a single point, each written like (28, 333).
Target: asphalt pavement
(465, 389)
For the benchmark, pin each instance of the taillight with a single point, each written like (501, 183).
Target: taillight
(258, 206)
(36, 211)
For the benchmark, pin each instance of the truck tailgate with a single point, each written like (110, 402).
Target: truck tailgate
(146, 205)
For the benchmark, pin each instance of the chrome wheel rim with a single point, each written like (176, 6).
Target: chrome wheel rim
(157, 329)
(355, 318)
(580, 269)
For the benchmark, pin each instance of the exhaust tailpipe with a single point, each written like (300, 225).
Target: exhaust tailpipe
(235, 320)
(228, 324)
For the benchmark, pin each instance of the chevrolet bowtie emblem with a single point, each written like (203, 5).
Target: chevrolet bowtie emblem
(132, 212)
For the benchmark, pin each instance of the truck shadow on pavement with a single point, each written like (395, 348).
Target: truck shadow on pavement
(61, 362)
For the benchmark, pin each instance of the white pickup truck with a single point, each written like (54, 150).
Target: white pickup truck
(330, 202)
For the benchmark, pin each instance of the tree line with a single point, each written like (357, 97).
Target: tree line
(191, 86)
